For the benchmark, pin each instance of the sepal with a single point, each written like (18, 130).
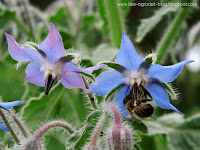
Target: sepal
(112, 65)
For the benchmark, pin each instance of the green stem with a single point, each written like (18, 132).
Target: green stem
(78, 23)
(114, 20)
(90, 96)
(5, 120)
(30, 22)
(171, 31)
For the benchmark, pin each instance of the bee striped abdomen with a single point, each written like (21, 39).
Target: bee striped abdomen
(144, 111)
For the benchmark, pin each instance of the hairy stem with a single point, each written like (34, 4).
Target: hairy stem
(5, 120)
(51, 125)
(96, 132)
(171, 31)
(90, 96)
(20, 125)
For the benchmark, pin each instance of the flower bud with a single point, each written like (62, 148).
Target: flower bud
(32, 144)
(119, 136)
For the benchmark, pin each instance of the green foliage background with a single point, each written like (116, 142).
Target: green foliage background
(93, 29)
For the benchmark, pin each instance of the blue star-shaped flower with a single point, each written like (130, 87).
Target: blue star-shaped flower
(135, 72)
(8, 106)
(50, 64)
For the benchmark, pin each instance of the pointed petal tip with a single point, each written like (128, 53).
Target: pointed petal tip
(52, 25)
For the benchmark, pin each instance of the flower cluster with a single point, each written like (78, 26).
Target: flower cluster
(49, 64)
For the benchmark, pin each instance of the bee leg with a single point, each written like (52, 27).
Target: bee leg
(146, 100)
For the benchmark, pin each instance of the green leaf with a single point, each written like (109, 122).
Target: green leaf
(103, 52)
(54, 143)
(79, 138)
(182, 134)
(148, 24)
(60, 17)
(59, 103)
(102, 12)
(156, 142)
(115, 21)
(112, 65)
(7, 16)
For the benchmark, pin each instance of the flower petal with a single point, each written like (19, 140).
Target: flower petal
(72, 80)
(3, 127)
(166, 73)
(127, 55)
(69, 66)
(119, 99)
(9, 105)
(34, 75)
(160, 96)
(91, 69)
(52, 46)
(22, 54)
(106, 82)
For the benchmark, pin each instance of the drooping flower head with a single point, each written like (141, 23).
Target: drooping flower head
(137, 78)
(8, 106)
(49, 64)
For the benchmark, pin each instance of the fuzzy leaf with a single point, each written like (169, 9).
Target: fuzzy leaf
(103, 52)
(178, 132)
(148, 24)
(79, 138)
(59, 103)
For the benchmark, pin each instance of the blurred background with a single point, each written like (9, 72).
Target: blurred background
(93, 28)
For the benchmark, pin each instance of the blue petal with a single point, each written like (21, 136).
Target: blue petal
(166, 73)
(160, 96)
(22, 54)
(34, 75)
(127, 55)
(106, 82)
(9, 105)
(3, 127)
(52, 46)
(72, 80)
(119, 99)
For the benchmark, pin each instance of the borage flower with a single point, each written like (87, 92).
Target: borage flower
(8, 106)
(137, 77)
(49, 64)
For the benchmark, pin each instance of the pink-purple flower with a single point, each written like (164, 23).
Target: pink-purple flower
(49, 64)
(137, 77)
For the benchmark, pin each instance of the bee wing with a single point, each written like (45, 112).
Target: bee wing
(150, 118)
(136, 118)
(141, 120)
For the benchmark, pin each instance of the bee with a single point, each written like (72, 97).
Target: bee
(138, 109)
